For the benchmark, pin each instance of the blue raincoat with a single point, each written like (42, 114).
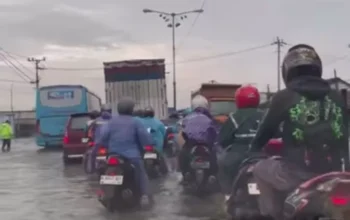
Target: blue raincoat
(126, 135)
(99, 123)
(158, 131)
(199, 127)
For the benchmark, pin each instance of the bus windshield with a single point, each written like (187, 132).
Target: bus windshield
(222, 107)
(60, 97)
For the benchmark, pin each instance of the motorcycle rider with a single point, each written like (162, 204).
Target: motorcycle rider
(90, 125)
(315, 130)
(126, 136)
(105, 116)
(157, 131)
(197, 128)
(237, 133)
(95, 130)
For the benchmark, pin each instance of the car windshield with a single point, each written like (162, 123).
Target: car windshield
(79, 123)
(222, 107)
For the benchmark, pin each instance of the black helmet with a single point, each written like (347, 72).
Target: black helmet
(126, 106)
(149, 112)
(301, 60)
(137, 113)
(94, 115)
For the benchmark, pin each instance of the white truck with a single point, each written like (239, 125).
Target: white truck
(142, 80)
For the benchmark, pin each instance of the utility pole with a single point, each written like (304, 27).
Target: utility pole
(268, 92)
(170, 18)
(335, 77)
(11, 99)
(37, 68)
(280, 43)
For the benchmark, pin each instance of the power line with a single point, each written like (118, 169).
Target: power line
(336, 60)
(191, 28)
(227, 54)
(18, 71)
(72, 69)
(18, 62)
(14, 54)
(16, 67)
(14, 81)
(199, 59)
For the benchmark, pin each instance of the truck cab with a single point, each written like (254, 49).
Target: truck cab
(221, 98)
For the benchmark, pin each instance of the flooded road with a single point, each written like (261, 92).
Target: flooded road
(35, 185)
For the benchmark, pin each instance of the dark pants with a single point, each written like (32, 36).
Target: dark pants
(163, 165)
(275, 179)
(141, 175)
(6, 143)
(184, 158)
(229, 163)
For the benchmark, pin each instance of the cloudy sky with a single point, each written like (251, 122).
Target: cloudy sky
(84, 33)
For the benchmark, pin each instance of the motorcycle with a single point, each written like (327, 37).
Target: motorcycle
(152, 160)
(118, 186)
(170, 147)
(100, 161)
(199, 177)
(326, 194)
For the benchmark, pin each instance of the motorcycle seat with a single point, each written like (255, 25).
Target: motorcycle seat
(318, 179)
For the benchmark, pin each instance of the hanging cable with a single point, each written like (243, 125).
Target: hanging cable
(191, 28)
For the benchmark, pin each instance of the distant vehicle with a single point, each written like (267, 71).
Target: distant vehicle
(54, 105)
(74, 145)
(142, 80)
(221, 98)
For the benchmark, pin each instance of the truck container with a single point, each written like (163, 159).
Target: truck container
(221, 98)
(142, 80)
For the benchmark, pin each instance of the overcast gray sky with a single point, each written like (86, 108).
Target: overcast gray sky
(84, 33)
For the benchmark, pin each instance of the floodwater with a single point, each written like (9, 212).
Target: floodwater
(35, 185)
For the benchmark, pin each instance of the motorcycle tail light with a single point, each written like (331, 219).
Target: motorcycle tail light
(113, 161)
(91, 144)
(102, 151)
(340, 195)
(148, 148)
(339, 200)
(170, 136)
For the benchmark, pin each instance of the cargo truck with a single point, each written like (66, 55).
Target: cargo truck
(221, 98)
(142, 80)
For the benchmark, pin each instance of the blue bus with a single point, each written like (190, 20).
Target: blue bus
(54, 105)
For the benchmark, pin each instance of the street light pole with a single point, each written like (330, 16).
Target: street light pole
(173, 25)
(174, 58)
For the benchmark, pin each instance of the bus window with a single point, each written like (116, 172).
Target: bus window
(61, 97)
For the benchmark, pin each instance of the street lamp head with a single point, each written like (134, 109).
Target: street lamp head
(146, 10)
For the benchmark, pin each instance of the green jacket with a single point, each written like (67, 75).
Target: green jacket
(6, 131)
(240, 128)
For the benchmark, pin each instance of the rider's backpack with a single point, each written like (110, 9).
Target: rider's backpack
(318, 128)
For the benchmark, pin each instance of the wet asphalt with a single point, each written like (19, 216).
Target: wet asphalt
(35, 185)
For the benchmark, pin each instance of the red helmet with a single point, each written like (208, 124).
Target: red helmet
(247, 97)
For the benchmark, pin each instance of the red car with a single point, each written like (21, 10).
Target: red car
(75, 142)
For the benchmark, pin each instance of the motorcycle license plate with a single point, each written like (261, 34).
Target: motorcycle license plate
(84, 140)
(253, 189)
(111, 180)
(200, 165)
(150, 156)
